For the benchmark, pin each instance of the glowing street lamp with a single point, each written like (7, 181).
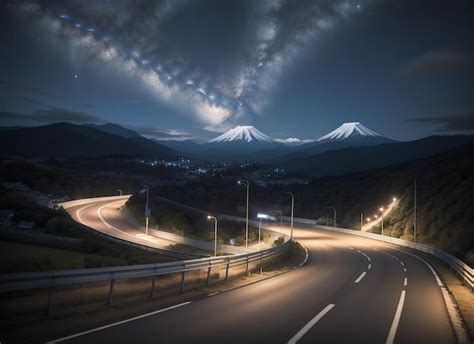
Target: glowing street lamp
(394, 199)
(381, 210)
(246, 183)
(215, 232)
(260, 217)
(292, 209)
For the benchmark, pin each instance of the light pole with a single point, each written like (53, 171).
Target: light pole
(260, 216)
(414, 215)
(382, 209)
(281, 217)
(147, 211)
(215, 233)
(246, 183)
(334, 209)
(292, 210)
(120, 192)
(361, 220)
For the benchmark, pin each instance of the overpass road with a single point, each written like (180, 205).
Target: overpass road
(351, 290)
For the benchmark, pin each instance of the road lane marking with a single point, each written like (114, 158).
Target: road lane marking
(366, 256)
(310, 324)
(396, 319)
(405, 269)
(405, 282)
(362, 275)
(212, 294)
(78, 212)
(402, 263)
(118, 323)
(370, 265)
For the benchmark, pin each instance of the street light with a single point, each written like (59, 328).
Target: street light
(334, 209)
(215, 233)
(368, 219)
(147, 211)
(394, 199)
(260, 217)
(246, 183)
(292, 209)
(381, 210)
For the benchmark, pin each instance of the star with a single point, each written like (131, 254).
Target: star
(75, 76)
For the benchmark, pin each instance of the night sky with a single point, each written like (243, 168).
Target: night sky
(192, 69)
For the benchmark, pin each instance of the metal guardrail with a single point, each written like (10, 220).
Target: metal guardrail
(28, 281)
(462, 269)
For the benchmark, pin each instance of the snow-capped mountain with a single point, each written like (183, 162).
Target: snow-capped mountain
(243, 133)
(293, 141)
(351, 134)
(347, 130)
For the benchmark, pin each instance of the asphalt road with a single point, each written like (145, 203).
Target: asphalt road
(352, 290)
(112, 222)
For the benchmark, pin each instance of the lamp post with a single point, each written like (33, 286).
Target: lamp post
(281, 217)
(215, 233)
(334, 209)
(147, 211)
(361, 220)
(260, 217)
(414, 215)
(120, 192)
(247, 184)
(292, 210)
(381, 210)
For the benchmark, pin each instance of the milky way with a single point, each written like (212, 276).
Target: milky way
(145, 40)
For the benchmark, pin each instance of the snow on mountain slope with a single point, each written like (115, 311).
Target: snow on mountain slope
(347, 130)
(293, 141)
(245, 133)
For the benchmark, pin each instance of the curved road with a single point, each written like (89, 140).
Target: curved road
(352, 290)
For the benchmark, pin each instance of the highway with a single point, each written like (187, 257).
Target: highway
(105, 215)
(351, 290)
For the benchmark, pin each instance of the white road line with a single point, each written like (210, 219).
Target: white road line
(362, 275)
(118, 323)
(310, 324)
(212, 294)
(402, 263)
(438, 280)
(396, 319)
(405, 282)
(405, 269)
(366, 256)
(78, 212)
(370, 265)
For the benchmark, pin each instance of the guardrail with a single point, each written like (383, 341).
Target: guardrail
(13, 282)
(462, 269)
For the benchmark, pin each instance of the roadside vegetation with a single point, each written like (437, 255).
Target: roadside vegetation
(189, 223)
(445, 199)
(57, 241)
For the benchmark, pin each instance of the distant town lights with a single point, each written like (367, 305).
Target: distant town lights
(262, 216)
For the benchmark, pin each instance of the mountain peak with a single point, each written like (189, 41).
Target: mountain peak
(244, 133)
(349, 129)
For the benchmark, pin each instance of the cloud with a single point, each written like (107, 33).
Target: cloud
(217, 60)
(164, 135)
(448, 123)
(36, 91)
(439, 61)
(50, 116)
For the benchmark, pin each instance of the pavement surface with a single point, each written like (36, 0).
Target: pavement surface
(351, 290)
